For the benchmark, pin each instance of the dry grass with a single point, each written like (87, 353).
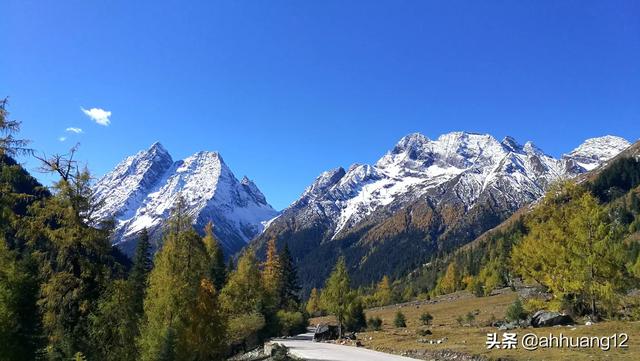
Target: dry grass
(471, 339)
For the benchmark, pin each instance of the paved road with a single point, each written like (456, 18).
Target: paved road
(302, 346)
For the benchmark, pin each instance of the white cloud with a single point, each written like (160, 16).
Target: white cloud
(74, 130)
(98, 115)
(62, 139)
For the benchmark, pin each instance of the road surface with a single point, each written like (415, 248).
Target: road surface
(302, 346)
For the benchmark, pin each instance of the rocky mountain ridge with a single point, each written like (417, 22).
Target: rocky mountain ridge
(141, 191)
(421, 197)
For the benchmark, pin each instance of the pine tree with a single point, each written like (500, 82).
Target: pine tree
(174, 283)
(9, 145)
(206, 333)
(18, 313)
(383, 294)
(138, 277)
(289, 295)
(598, 250)
(337, 295)
(313, 304)
(450, 282)
(230, 266)
(272, 275)
(114, 324)
(243, 299)
(244, 293)
(74, 257)
(217, 269)
(574, 249)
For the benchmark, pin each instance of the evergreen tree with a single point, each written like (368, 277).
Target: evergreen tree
(206, 334)
(573, 249)
(272, 276)
(243, 299)
(355, 318)
(114, 324)
(74, 258)
(175, 282)
(313, 304)
(9, 145)
(19, 326)
(383, 294)
(217, 269)
(230, 266)
(337, 295)
(289, 295)
(138, 277)
(243, 292)
(450, 282)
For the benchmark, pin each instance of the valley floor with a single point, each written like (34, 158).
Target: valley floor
(451, 340)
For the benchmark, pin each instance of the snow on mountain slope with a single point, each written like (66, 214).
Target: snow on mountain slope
(123, 189)
(141, 191)
(595, 151)
(460, 165)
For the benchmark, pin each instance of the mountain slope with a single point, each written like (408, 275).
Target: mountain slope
(141, 191)
(422, 197)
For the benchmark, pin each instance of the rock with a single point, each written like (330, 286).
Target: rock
(508, 326)
(325, 332)
(547, 319)
(350, 336)
(588, 323)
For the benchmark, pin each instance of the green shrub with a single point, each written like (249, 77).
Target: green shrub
(470, 318)
(400, 320)
(478, 289)
(375, 323)
(355, 319)
(516, 311)
(290, 323)
(426, 318)
(460, 320)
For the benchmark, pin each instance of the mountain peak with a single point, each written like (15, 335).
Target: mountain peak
(157, 146)
(325, 180)
(253, 190)
(410, 143)
(511, 144)
(593, 151)
(140, 192)
(531, 148)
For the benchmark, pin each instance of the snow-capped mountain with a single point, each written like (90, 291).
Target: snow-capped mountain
(141, 191)
(595, 151)
(477, 163)
(465, 182)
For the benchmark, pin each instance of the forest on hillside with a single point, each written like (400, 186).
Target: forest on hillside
(580, 244)
(67, 293)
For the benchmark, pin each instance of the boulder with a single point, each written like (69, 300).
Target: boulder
(547, 319)
(325, 332)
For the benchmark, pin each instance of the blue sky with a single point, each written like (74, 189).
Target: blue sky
(287, 89)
